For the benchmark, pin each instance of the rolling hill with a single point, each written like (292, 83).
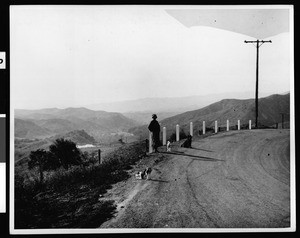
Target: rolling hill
(23, 147)
(80, 137)
(28, 129)
(231, 109)
(44, 123)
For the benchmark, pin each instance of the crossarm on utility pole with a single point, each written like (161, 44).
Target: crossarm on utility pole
(259, 41)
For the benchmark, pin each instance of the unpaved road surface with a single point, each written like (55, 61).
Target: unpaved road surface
(236, 179)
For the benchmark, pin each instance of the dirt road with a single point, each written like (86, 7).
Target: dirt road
(237, 179)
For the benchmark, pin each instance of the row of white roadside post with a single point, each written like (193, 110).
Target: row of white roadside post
(191, 132)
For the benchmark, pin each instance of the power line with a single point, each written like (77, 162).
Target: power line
(258, 44)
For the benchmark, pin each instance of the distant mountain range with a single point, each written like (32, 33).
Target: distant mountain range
(102, 125)
(168, 105)
(45, 123)
(145, 117)
(227, 109)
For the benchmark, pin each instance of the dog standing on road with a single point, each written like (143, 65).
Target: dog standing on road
(138, 175)
(168, 146)
(147, 172)
(188, 142)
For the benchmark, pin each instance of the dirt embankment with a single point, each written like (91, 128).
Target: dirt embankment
(237, 179)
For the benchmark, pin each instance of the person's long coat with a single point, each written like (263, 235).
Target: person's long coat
(154, 127)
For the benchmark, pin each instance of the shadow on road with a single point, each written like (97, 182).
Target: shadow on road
(157, 180)
(176, 151)
(201, 149)
(202, 158)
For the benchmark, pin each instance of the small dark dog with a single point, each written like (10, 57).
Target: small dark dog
(146, 173)
(188, 142)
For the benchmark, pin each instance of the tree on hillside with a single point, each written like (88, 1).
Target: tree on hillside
(66, 152)
(43, 160)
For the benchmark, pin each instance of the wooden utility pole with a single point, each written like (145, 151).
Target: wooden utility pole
(258, 44)
(282, 120)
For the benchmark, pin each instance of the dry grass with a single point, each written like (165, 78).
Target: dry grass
(70, 199)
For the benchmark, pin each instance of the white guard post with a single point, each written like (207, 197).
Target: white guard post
(164, 135)
(150, 142)
(239, 125)
(249, 124)
(177, 132)
(216, 126)
(99, 156)
(227, 125)
(203, 127)
(191, 128)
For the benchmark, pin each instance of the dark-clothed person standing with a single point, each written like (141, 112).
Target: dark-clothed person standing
(154, 127)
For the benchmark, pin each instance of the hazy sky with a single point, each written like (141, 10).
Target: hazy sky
(67, 56)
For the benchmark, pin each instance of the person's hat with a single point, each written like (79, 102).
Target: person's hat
(154, 116)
